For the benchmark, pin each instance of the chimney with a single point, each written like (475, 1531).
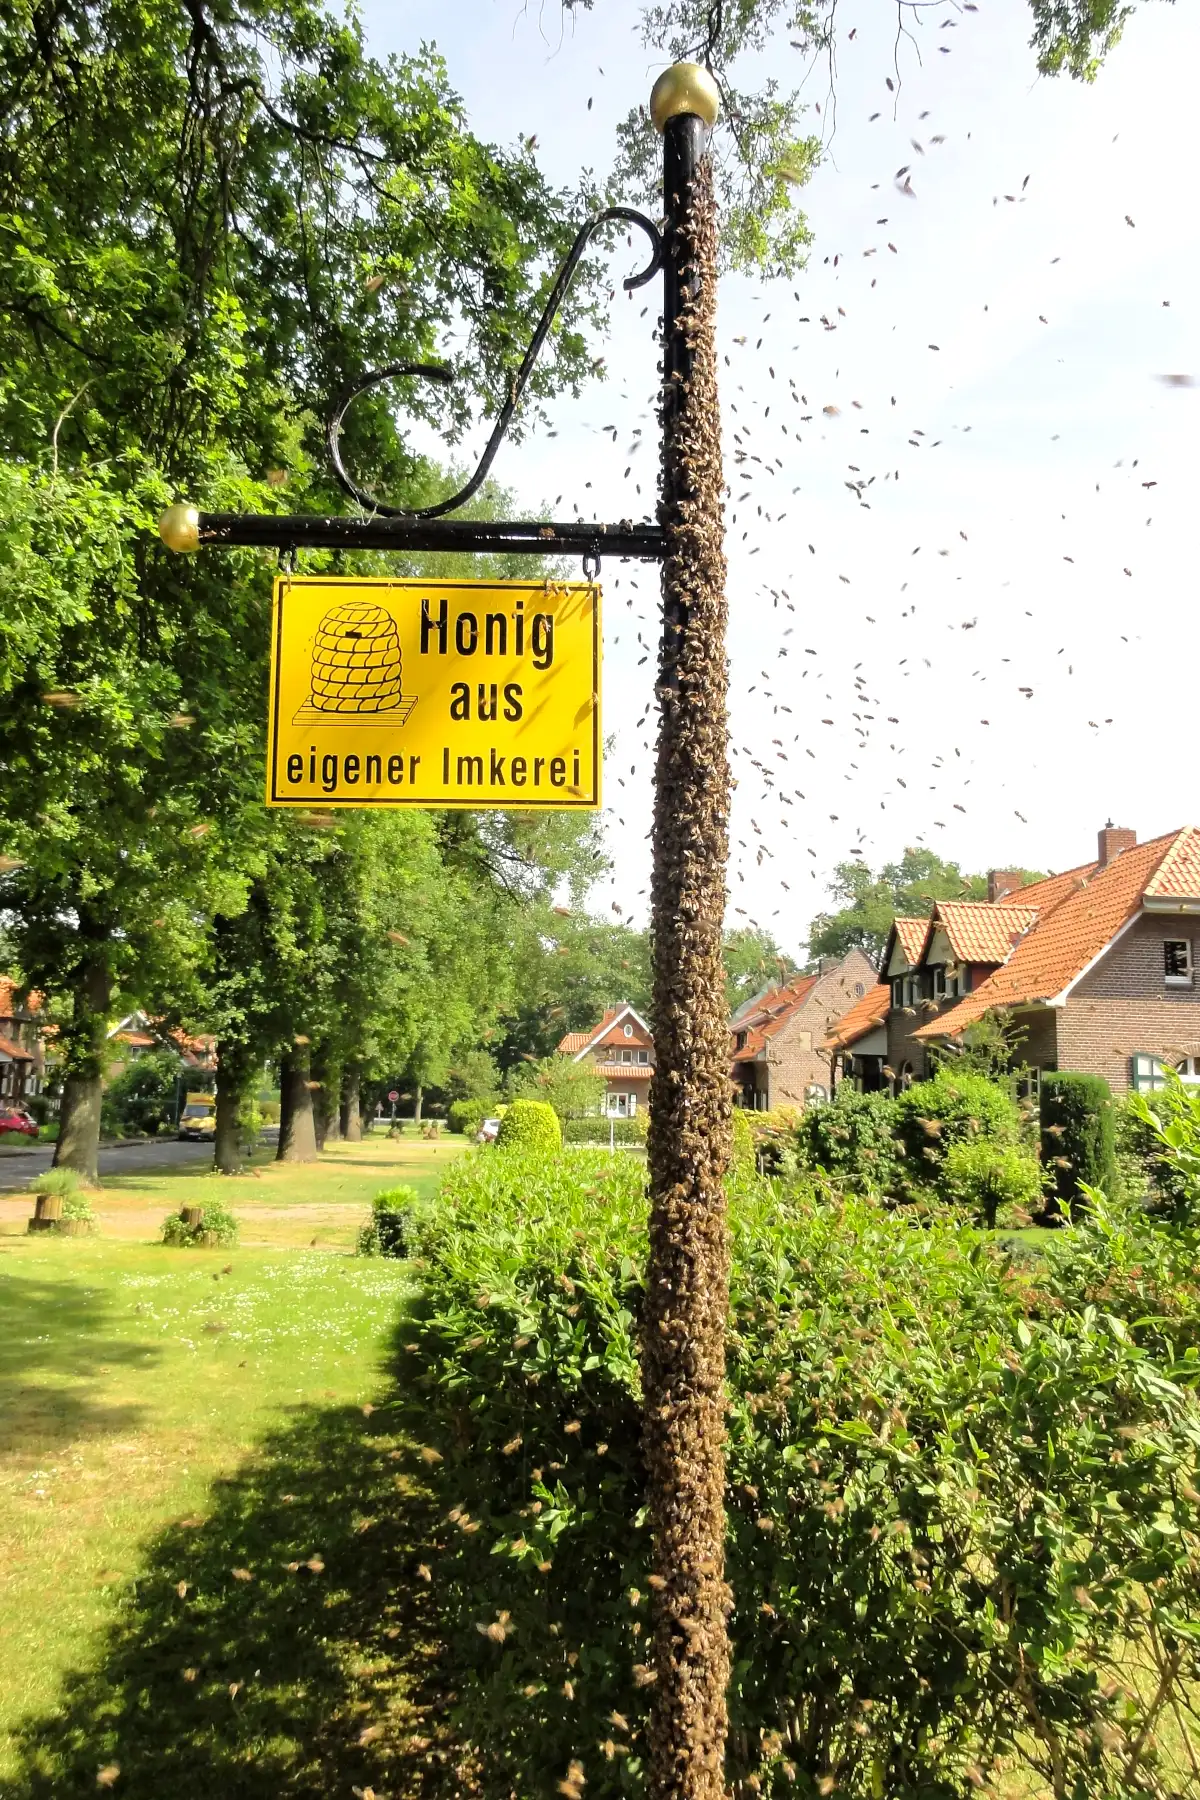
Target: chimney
(1111, 841)
(1001, 882)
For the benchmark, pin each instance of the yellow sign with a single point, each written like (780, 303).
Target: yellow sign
(477, 694)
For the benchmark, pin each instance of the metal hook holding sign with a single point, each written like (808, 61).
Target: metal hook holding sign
(439, 372)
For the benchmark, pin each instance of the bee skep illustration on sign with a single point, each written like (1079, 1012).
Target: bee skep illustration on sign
(476, 694)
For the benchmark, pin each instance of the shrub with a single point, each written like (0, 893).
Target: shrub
(985, 1176)
(216, 1225)
(597, 1130)
(852, 1138)
(389, 1230)
(56, 1181)
(530, 1125)
(743, 1154)
(142, 1096)
(468, 1115)
(78, 1208)
(921, 1445)
(1162, 1132)
(48, 1134)
(1078, 1134)
(950, 1108)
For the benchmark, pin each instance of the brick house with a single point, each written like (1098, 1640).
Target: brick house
(22, 1050)
(777, 1055)
(1096, 966)
(621, 1049)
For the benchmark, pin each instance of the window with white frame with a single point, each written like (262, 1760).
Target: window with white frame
(629, 1031)
(1177, 962)
(643, 1056)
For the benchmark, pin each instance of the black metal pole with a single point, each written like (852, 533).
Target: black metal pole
(687, 1277)
(183, 528)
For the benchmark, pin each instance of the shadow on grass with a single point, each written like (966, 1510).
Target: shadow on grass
(56, 1329)
(296, 1661)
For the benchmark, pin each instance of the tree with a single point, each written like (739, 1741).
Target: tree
(210, 221)
(573, 1089)
(767, 155)
(870, 902)
(569, 968)
(753, 961)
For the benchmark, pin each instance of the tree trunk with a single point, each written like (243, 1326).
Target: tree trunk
(417, 1104)
(351, 1108)
(326, 1097)
(297, 1134)
(687, 1279)
(235, 1067)
(84, 1042)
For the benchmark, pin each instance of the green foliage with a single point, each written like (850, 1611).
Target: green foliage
(753, 961)
(64, 1182)
(601, 1130)
(852, 1138)
(1078, 1134)
(983, 1175)
(868, 902)
(475, 1076)
(1163, 1131)
(142, 1096)
(961, 1497)
(466, 1116)
(743, 1149)
(78, 1208)
(573, 1089)
(951, 1108)
(530, 1126)
(217, 1226)
(389, 1231)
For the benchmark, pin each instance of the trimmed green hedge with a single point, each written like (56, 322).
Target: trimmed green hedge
(530, 1125)
(960, 1496)
(950, 1109)
(466, 1116)
(389, 1230)
(1079, 1145)
(596, 1131)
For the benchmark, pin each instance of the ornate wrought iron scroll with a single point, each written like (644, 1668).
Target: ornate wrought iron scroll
(439, 372)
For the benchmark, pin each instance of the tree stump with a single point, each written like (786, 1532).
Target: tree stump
(47, 1212)
(193, 1217)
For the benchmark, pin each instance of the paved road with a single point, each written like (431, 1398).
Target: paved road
(18, 1169)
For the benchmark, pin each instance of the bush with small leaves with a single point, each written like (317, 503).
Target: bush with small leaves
(58, 1182)
(852, 1139)
(389, 1231)
(215, 1226)
(530, 1125)
(466, 1116)
(984, 1176)
(601, 1131)
(963, 1495)
(950, 1108)
(1078, 1134)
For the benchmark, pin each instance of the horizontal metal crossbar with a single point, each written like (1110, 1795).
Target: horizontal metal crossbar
(486, 537)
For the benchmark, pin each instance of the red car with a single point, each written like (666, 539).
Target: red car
(11, 1119)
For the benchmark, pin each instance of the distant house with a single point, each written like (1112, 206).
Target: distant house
(621, 1049)
(22, 1050)
(137, 1034)
(777, 1055)
(1095, 967)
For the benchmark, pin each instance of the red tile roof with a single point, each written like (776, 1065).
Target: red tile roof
(911, 933)
(863, 1017)
(1063, 943)
(981, 931)
(771, 1015)
(8, 993)
(575, 1041)
(13, 1051)
(1044, 896)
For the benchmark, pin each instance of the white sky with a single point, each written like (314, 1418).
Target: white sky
(1021, 512)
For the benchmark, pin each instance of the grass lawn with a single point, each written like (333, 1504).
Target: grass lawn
(317, 1205)
(202, 1417)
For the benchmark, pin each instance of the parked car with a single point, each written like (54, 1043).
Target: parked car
(13, 1119)
(488, 1131)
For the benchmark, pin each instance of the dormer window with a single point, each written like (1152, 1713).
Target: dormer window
(939, 982)
(741, 1040)
(1177, 962)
